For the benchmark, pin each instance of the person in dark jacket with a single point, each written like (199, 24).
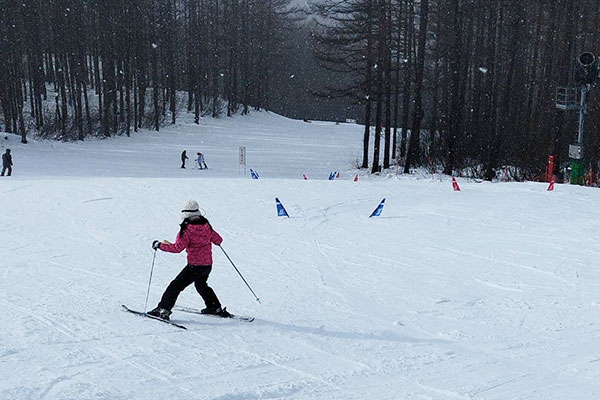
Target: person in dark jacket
(196, 236)
(183, 158)
(6, 162)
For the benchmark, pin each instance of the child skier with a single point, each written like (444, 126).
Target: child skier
(200, 161)
(196, 236)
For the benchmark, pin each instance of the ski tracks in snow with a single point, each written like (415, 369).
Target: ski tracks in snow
(268, 360)
(85, 357)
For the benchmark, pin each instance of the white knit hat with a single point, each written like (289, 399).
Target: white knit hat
(190, 209)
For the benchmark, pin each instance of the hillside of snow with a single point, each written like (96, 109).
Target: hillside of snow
(275, 147)
(488, 293)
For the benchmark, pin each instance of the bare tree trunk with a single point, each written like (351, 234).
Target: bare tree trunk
(369, 85)
(413, 150)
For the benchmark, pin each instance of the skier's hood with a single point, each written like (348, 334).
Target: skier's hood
(196, 220)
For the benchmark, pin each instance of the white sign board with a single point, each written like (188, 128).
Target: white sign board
(575, 151)
(243, 155)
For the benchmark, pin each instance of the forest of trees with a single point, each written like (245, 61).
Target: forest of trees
(72, 68)
(456, 86)
(462, 85)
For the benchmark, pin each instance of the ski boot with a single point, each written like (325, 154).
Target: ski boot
(161, 313)
(221, 312)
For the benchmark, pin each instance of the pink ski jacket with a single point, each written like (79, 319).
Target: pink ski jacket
(197, 240)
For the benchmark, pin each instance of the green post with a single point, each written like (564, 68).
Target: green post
(577, 173)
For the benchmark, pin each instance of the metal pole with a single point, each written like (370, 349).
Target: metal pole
(582, 113)
(226, 255)
(149, 281)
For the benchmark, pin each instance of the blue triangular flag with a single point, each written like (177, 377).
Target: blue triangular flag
(280, 209)
(253, 174)
(332, 176)
(378, 210)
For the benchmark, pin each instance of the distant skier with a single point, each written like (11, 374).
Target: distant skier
(6, 162)
(200, 161)
(183, 158)
(196, 236)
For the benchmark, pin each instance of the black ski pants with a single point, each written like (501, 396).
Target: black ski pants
(196, 274)
(4, 168)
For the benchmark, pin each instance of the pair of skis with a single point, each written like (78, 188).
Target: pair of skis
(187, 310)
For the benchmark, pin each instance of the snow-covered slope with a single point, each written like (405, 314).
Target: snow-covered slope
(275, 146)
(488, 293)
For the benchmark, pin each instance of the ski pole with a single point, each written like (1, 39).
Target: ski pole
(149, 282)
(238, 271)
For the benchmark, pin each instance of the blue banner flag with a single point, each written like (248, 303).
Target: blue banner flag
(378, 210)
(281, 212)
(253, 174)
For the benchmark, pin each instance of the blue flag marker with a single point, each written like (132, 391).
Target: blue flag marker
(378, 210)
(280, 209)
(332, 176)
(253, 174)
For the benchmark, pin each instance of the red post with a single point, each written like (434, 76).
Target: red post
(550, 171)
(455, 185)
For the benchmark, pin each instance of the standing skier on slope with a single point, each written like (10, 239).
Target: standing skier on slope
(196, 236)
(183, 158)
(201, 162)
(7, 162)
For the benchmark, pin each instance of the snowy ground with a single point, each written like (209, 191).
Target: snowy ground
(488, 293)
(275, 147)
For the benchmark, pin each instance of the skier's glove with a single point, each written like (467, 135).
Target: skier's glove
(156, 245)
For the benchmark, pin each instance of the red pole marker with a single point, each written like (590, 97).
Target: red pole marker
(550, 171)
(455, 185)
